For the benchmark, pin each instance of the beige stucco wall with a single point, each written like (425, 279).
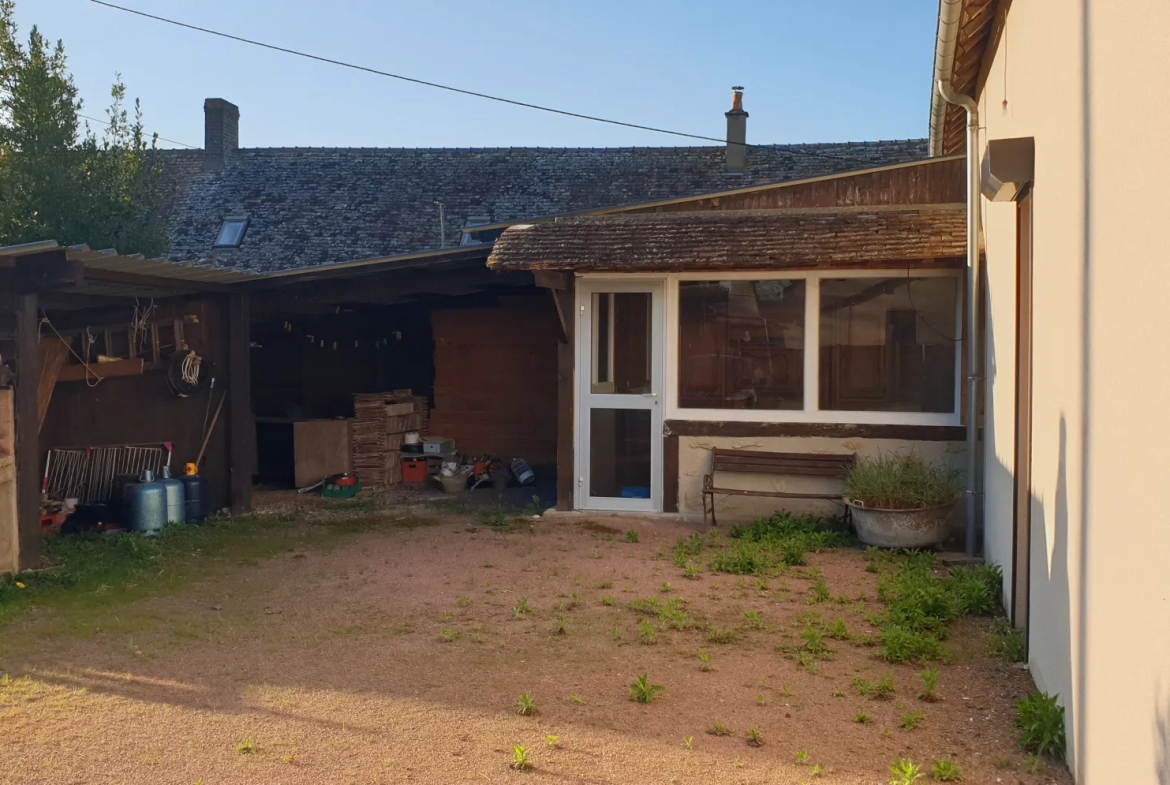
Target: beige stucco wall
(694, 462)
(1088, 82)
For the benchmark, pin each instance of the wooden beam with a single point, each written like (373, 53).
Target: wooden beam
(549, 279)
(78, 373)
(155, 281)
(566, 409)
(241, 430)
(752, 430)
(52, 356)
(670, 473)
(27, 427)
(562, 316)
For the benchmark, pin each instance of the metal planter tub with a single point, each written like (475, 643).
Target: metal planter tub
(922, 528)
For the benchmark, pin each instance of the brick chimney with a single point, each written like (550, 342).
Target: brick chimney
(221, 133)
(736, 134)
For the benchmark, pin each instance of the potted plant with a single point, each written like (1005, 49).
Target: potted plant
(900, 501)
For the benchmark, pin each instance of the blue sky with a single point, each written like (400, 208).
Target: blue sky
(815, 70)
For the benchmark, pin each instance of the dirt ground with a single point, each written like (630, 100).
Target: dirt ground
(397, 657)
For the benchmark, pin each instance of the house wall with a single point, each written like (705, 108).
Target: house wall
(694, 462)
(496, 378)
(1084, 80)
(937, 182)
(140, 409)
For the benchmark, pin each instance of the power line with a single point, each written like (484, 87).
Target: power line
(160, 138)
(449, 88)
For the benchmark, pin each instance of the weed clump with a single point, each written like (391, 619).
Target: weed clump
(1040, 720)
(920, 605)
(642, 691)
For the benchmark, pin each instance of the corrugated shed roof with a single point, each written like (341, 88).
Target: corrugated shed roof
(741, 240)
(309, 207)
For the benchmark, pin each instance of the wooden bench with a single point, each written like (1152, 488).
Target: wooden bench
(835, 466)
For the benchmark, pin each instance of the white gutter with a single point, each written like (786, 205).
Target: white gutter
(974, 297)
(947, 35)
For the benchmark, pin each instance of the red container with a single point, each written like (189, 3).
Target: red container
(414, 471)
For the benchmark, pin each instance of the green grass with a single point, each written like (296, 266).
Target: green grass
(901, 482)
(946, 770)
(719, 729)
(85, 575)
(905, 772)
(770, 544)
(1005, 642)
(526, 705)
(929, 683)
(1040, 720)
(631, 536)
(911, 720)
(920, 605)
(881, 689)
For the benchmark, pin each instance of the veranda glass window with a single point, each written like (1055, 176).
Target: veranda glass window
(888, 344)
(741, 344)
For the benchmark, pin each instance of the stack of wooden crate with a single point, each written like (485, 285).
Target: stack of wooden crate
(381, 422)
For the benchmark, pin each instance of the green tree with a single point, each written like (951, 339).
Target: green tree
(58, 179)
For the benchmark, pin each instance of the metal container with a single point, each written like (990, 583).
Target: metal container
(176, 497)
(146, 502)
(195, 498)
(921, 528)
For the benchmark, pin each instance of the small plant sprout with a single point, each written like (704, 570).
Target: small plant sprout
(863, 719)
(716, 635)
(246, 747)
(595, 555)
(761, 699)
(820, 590)
(642, 691)
(526, 705)
(837, 630)
(576, 700)
(631, 536)
(520, 608)
(905, 772)
(802, 757)
(929, 682)
(607, 600)
(448, 636)
(559, 627)
(605, 585)
(647, 632)
(815, 771)
(882, 689)
(912, 720)
(487, 565)
(1033, 764)
(692, 572)
(719, 729)
(520, 760)
(754, 739)
(665, 587)
(946, 770)
(836, 694)
(446, 616)
(689, 742)
(617, 634)
(552, 742)
(704, 661)
(464, 600)
(752, 620)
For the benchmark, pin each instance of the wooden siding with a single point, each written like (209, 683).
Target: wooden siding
(932, 182)
(140, 409)
(496, 378)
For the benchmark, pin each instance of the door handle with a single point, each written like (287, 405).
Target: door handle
(649, 395)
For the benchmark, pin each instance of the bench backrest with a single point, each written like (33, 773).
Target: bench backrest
(755, 462)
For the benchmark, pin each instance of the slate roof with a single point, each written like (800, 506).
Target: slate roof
(739, 239)
(311, 206)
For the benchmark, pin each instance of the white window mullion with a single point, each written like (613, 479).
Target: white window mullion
(812, 343)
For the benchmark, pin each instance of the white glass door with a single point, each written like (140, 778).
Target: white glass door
(619, 364)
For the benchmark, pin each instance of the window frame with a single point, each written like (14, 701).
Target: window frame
(811, 413)
(223, 225)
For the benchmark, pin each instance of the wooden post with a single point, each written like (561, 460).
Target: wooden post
(566, 410)
(241, 434)
(27, 427)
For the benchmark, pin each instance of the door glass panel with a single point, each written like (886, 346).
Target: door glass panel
(619, 453)
(621, 343)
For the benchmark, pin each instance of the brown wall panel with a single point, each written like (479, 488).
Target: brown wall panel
(496, 378)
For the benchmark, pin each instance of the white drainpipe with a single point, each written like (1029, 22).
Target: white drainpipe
(974, 297)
